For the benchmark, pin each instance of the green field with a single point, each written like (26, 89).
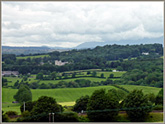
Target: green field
(38, 56)
(64, 96)
(145, 89)
(116, 74)
(92, 79)
(12, 80)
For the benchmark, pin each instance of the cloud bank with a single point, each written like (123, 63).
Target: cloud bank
(68, 24)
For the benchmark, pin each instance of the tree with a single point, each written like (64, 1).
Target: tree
(151, 97)
(159, 98)
(81, 104)
(94, 73)
(138, 106)
(119, 94)
(34, 85)
(111, 75)
(45, 105)
(4, 82)
(16, 84)
(88, 72)
(28, 106)
(53, 75)
(74, 75)
(23, 94)
(39, 76)
(102, 75)
(102, 107)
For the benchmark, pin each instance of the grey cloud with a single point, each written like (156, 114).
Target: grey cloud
(72, 23)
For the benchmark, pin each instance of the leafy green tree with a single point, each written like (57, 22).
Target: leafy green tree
(111, 75)
(39, 76)
(81, 104)
(151, 97)
(45, 104)
(74, 75)
(28, 106)
(94, 73)
(44, 86)
(16, 84)
(102, 75)
(102, 107)
(138, 106)
(34, 85)
(88, 72)
(23, 94)
(4, 82)
(159, 98)
(53, 75)
(119, 94)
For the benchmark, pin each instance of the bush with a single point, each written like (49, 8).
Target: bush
(5, 117)
(83, 119)
(66, 117)
(25, 114)
(158, 107)
(11, 113)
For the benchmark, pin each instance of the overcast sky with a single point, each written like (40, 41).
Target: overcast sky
(68, 24)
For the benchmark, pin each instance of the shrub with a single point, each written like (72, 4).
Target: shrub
(25, 114)
(158, 107)
(5, 117)
(10, 113)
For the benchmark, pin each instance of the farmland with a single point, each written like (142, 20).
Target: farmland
(32, 78)
(65, 96)
(108, 67)
(31, 57)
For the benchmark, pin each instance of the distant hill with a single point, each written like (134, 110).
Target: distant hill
(25, 50)
(46, 49)
(122, 42)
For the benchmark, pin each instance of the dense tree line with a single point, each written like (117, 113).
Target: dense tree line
(81, 59)
(142, 72)
(78, 83)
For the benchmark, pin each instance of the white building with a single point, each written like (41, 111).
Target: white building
(143, 53)
(60, 63)
(9, 73)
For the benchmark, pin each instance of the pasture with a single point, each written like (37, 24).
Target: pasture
(12, 80)
(145, 89)
(64, 96)
(31, 57)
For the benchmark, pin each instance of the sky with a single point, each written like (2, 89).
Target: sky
(69, 24)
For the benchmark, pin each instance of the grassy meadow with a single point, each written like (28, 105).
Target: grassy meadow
(63, 96)
(12, 80)
(37, 56)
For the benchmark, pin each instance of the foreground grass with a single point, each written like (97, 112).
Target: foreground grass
(152, 117)
(155, 117)
(64, 96)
